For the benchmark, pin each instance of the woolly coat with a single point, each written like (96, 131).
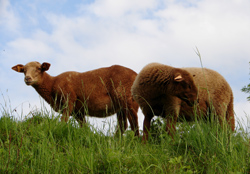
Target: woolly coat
(155, 92)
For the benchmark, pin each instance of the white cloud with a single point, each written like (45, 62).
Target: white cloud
(213, 26)
(117, 9)
(30, 48)
(8, 20)
(131, 36)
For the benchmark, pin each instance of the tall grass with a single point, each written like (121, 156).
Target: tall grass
(43, 144)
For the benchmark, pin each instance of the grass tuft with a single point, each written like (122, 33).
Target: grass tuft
(42, 144)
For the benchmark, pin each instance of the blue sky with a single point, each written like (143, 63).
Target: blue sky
(85, 35)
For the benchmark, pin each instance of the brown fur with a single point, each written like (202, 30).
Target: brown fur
(101, 92)
(158, 93)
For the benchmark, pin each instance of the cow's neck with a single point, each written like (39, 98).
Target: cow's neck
(45, 87)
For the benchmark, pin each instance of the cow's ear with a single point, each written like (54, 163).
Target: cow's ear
(18, 68)
(45, 66)
(178, 78)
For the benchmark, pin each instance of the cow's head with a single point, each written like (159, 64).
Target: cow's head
(33, 71)
(184, 86)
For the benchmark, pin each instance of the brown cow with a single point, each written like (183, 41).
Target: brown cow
(101, 92)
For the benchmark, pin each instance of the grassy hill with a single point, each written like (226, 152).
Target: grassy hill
(42, 144)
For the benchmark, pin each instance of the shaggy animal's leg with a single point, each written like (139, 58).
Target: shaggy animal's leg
(122, 121)
(230, 115)
(170, 126)
(146, 125)
(226, 115)
(146, 128)
(65, 116)
(172, 117)
(220, 113)
(67, 111)
(80, 119)
(133, 120)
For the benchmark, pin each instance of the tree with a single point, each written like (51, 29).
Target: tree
(246, 89)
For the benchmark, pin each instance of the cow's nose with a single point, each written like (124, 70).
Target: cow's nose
(27, 78)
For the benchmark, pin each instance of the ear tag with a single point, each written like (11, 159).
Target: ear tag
(179, 77)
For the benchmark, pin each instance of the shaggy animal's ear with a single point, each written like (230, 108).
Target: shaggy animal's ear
(178, 78)
(45, 66)
(18, 68)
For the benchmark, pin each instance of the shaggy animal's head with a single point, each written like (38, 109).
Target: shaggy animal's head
(33, 71)
(184, 86)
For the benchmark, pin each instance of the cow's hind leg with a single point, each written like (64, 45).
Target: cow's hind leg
(133, 120)
(122, 121)
(80, 118)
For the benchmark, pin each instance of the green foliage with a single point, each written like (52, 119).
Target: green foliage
(246, 89)
(42, 144)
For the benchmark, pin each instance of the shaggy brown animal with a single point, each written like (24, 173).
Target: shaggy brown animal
(169, 92)
(101, 92)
